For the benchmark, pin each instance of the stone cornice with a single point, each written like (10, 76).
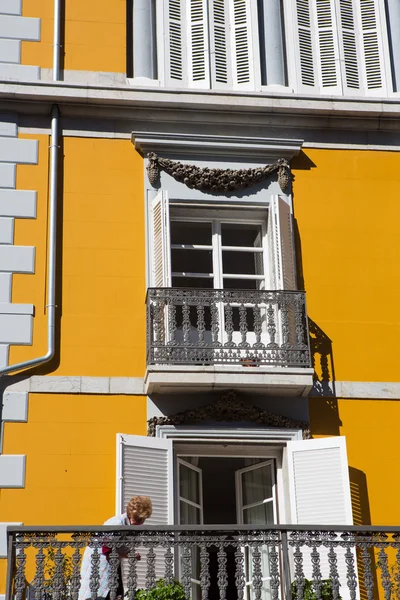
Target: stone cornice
(124, 100)
(216, 145)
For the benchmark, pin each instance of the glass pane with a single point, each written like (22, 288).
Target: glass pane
(243, 284)
(257, 485)
(240, 234)
(184, 232)
(190, 515)
(189, 484)
(193, 282)
(263, 514)
(243, 263)
(193, 261)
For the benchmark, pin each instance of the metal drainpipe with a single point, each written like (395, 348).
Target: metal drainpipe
(52, 230)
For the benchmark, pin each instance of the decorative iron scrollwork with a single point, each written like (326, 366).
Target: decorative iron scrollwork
(216, 180)
(229, 408)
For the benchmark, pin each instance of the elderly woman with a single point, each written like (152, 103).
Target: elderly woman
(138, 510)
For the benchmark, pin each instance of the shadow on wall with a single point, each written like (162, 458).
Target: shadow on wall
(324, 413)
(362, 516)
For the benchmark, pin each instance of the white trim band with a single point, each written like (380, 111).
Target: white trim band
(373, 390)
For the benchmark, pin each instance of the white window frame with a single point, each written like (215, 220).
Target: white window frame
(270, 444)
(216, 246)
(278, 245)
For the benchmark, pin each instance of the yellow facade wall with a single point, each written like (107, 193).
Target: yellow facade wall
(94, 35)
(347, 213)
(371, 430)
(70, 444)
(102, 251)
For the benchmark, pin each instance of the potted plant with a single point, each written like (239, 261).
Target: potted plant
(162, 591)
(309, 592)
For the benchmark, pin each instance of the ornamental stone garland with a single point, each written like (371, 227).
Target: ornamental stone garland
(216, 180)
(229, 409)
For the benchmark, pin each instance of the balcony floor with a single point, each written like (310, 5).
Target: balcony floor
(270, 381)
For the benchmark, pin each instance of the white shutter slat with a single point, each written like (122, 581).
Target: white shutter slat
(371, 45)
(328, 51)
(144, 467)
(219, 43)
(320, 495)
(351, 76)
(244, 38)
(198, 54)
(174, 42)
(160, 275)
(305, 43)
(280, 243)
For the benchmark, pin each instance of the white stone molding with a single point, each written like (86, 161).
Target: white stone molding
(15, 407)
(12, 470)
(216, 145)
(16, 320)
(134, 386)
(13, 30)
(3, 539)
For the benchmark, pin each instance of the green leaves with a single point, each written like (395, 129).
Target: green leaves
(162, 591)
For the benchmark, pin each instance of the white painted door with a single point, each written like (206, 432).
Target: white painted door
(256, 505)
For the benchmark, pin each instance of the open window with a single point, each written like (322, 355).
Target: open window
(184, 484)
(221, 248)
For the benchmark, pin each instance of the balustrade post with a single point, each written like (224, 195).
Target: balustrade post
(10, 565)
(287, 580)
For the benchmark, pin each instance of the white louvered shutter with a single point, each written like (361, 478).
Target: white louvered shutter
(175, 26)
(320, 494)
(280, 244)
(234, 49)
(318, 51)
(144, 467)
(244, 42)
(221, 67)
(363, 49)
(197, 44)
(160, 249)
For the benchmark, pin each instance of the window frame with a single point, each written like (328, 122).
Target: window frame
(217, 248)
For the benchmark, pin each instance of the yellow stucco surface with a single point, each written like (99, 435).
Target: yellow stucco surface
(101, 291)
(70, 444)
(347, 213)
(93, 31)
(371, 430)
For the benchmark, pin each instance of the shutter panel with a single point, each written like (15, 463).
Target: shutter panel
(144, 467)
(327, 47)
(319, 478)
(280, 243)
(160, 248)
(320, 495)
(362, 47)
(318, 54)
(219, 44)
(305, 43)
(372, 47)
(244, 38)
(175, 50)
(351, 75)
(234, 45)
(198, 54)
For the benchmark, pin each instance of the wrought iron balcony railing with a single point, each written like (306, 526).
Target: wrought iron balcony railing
(208, 327)
(210, 562)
